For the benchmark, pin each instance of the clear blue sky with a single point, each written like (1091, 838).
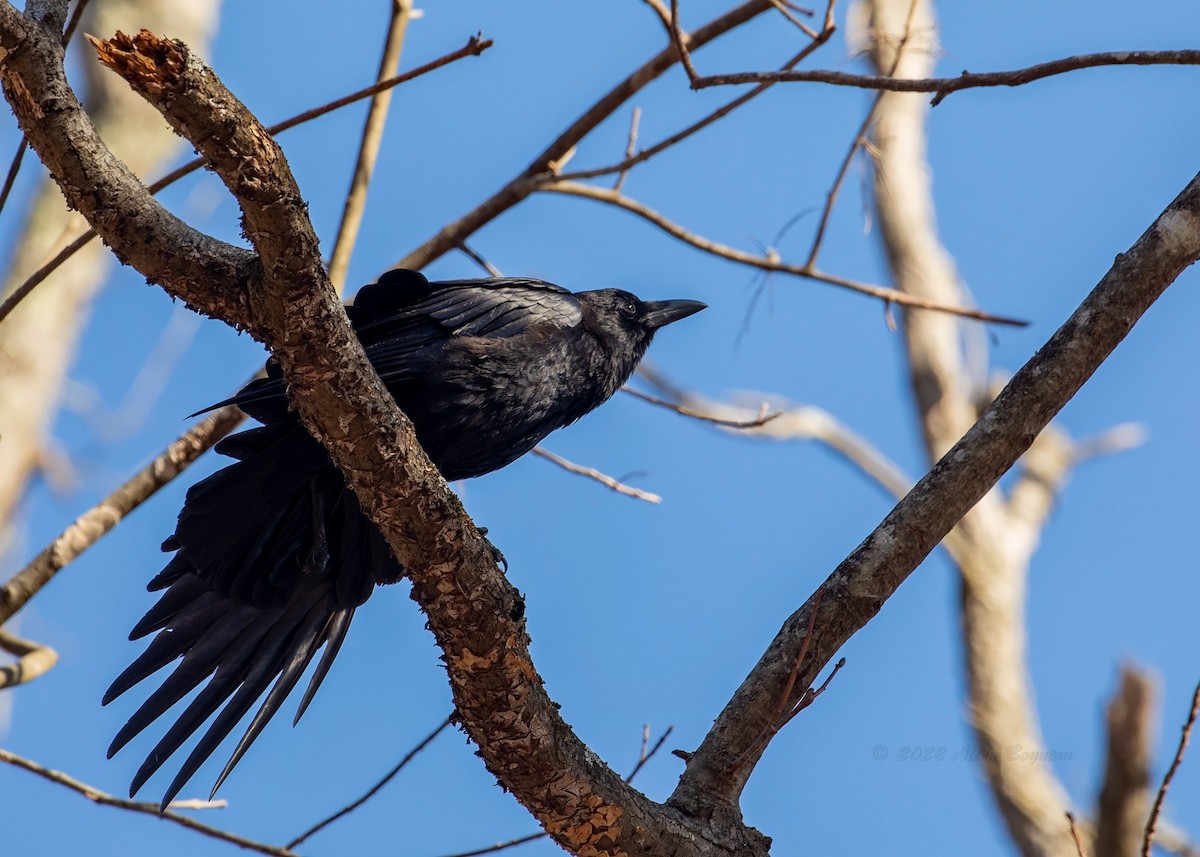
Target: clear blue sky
(660, 617)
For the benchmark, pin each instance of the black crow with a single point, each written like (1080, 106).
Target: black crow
(273, 553)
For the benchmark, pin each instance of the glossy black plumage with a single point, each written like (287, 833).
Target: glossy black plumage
(273, 554)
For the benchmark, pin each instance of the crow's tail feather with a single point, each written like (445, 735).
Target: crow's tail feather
(273, 555)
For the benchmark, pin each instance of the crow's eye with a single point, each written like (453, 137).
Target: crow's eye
(628, 309)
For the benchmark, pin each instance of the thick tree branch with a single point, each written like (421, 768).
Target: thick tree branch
(859, 586)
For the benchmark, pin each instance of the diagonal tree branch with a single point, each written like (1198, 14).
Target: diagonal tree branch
(105, 799)
(859, 586)
(767, 263)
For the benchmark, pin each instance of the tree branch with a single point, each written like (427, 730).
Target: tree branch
(33, 660)
(943, 86)
(859, 586)
(93, 524)
(105, 799)
(765, 263)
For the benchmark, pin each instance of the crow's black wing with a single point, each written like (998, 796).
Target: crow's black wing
(404, 313)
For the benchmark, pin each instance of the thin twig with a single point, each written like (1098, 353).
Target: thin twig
(765, 262)
(680, 40)
(787, 13)
(1119, 438)
(762, 419)
(629, 147)
(105, 799)
(943, 86)
(526, 182)
(368, 149)
(855, 144)
(474, 47)
(491, 269)
(13, 168)
(810, 695)
(501, 846)
(1152, 823)
(33, 660)
(371, 792)
(777, 718)
(592, 473)
(720, 112)
(644, 757)
(791, 422)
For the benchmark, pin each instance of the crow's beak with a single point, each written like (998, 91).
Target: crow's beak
(656, 314)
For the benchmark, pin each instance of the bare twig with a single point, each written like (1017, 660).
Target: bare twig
(500, 846)
(680, 40)
(492, 270)
(96, 522)
(629, 147)
(1161, 797)
(720, 112)
(33, 659)
(104, 799)
(33, 280)
(474, 47)
(766, 263)
(790, 422)
(644, 757)
(760, 419)
(371, 792)
(528, 180)
(592, 473)
(368, 150)
(810, 695)
(943, 86)
(10, 178)
(776, 719)
(855, 144)
(787, 13)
